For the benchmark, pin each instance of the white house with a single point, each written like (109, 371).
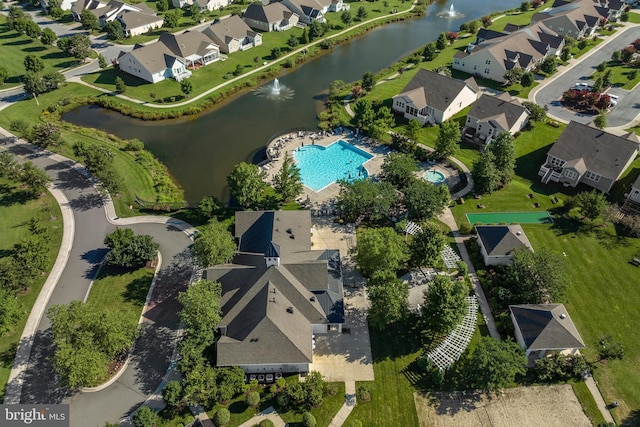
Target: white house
(272, 17)
(205, 5)
(634, 193)
(492, 115)
(544, 329)
(276, 294)
(499, 242)
(433, 98)
(232, 34)
(309, 10)
(136, 23)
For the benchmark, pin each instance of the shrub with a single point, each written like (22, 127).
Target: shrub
(134, 145)
(222, 417)
(466, 228)
(20, 126)
(282, 400)
(308, 420)
(610, 348)
(253, 399)
(266, 423)
(363, 393)
(331, 389)
(355, 423)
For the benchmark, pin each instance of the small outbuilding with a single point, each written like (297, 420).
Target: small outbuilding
(499, 242)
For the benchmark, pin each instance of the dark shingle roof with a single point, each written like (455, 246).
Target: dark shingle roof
(546, 327)
(502, 240)
(435, 90)
(603, 153)
(500, 110)
(256, 230)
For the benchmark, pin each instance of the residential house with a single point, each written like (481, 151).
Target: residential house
(585, 154)
(544, 329)
(232, 34)
(431, 97)
(136, 23)
(634, 193)
(492, 115)
(114, 9)
(309, 10)
(499, 242)
(170, 57)
(205, 5)
(276, 294)
(494, 53)
(578, 18)
(272, 17)
(77, 7)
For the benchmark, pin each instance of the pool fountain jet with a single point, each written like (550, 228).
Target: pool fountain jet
(275, 91)
(451, 13)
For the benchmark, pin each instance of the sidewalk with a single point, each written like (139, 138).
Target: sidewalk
(347, 407)
(597, 396)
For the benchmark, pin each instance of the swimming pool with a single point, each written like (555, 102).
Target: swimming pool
(321, 166)
(434, 176)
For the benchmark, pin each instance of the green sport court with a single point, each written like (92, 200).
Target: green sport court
(509, 217)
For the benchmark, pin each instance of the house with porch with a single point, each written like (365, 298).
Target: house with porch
(494, 53)
(544, 329)
(309, 10)
(492, 115)
(136, 23)
(499, 242)
(272, 17)
(634, 193)
(170, 57)
(232, 34)
(585, 154)
(432, 98)
(276, 294)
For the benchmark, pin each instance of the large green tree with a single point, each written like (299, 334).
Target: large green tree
(48, 37)
(399, 169)
(379, 249)
(504, 153)
(486, 177)
(78, 46)
(33, 63)
(494, 364)
(34, 178)
(246, 184)
(448, 138)
(364, 114)
(288, 181)
(10, 311)
(44, 134)
(368, 81)
(444, 304)
(201, 312)
(114, 30)
(366, 200)
(536, 277)
(591, 203)
(213, 244)
(145, 417)
(126, 249)
(425, 200)
(89, 20)
(426, 246)
(388, 296)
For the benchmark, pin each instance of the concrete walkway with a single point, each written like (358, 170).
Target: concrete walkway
(597, 396)
(347, 407)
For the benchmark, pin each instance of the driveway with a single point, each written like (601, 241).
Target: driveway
(628, 107)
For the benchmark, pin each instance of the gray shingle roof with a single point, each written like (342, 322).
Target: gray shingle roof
(256, 230)
(435, 90)
(224, 30)
(273, 12)
(502, 240)
(546, 327)
(186, 44)
(503, 111)
(131, 19)
(601, 152)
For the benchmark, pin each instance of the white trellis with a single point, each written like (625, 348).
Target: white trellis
(457, 341)
(450, 257)
(412, 228)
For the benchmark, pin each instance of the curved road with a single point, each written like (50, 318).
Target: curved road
(153, 350)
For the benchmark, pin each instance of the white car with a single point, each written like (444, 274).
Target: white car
(613, 100)
(582, 86)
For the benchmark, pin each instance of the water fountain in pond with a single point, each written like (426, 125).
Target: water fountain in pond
(451, 13)
(275, 91)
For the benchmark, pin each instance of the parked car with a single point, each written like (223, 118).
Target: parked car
(582, 86)
(613, 100)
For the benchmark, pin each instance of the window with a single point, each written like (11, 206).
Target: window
(636, 192)
(572, 175)
(592, 176)
(556, 162)
(456, 61)
(486, 71)
(488, 62)
(475, 67)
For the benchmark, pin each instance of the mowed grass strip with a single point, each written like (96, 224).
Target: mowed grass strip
(14, 216)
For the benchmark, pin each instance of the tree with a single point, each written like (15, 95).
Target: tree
(102, 62)
(121, 86)
(536, 112)
(444, 304)
(162, 5)
(609, 348)
(128, 249)
(549, 64)
(514, 75)
(89, 20)
(364, 114)
(186, 86)
(495, 364)
(485, 175)
(276, 52)
(208, 207)
(383, 121)
(4, 74)
(430, 52)
(172, 393)
(379, 249)
(368, 81)
(425, 200)
(45, 134)
(114, 30)
(246, 184)
(34, 179)
(317, 29)
(452, 36)
(33, 63)
(524, 6)
(32, 30)
(448, 137)
(536, 277)
(171, 18)
(195, 13)
(601, 120)
(388, 296)
(201, 312)
(361, 13)
(221, 417)
(413, 129)
(441, 42)
(591, 203)
(399, 169)
(368, 200)
(616, 55)
(305, 35)
(48, 37)
(527, 79)
(293, 41)
(213, 245)
(504, 153)
(55, 11)
(308, 420)
(36, 83)
(145, 417)
(288, 181)
(10, 311)
(253, 399)
(427, 245)
(346, 17)
(78, 46)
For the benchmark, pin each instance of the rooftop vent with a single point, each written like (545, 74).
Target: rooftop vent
(290, 310)
(518, 233)
(312, 299)
(562, 316)
(292, 236)
(273, 290)
(290, 231)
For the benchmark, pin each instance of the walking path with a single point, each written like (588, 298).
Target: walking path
(349, 404)
(597, 396)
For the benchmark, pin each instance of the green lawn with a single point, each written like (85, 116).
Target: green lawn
(138, 178)
(620, 74)
(15, 47)
(13, 228)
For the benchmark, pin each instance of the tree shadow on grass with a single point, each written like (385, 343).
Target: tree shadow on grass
(11, 198)
(137, 290)
(632, 420)
(397, 340)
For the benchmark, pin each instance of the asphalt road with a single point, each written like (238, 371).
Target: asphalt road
(629, 105)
